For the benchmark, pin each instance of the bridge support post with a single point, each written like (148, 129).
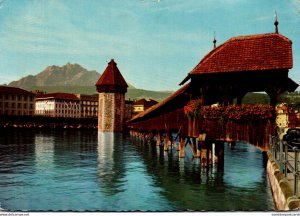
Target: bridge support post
(171, 141)
(220, 154)
(158, 140)
(213, 153)
(198, 154)
(167, 140)
(194, 143)
(207, 154)
(181, 147)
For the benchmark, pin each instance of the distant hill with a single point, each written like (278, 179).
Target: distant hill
(131, 93)
(67, 75)
(147, 94)
(73, 78)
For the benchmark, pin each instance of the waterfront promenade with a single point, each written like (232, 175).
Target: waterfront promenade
(283, 172)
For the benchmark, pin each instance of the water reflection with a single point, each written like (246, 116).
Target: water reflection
(74, 148)
(87, 171)
(16, 151)
(111, 165)
(242, 185)
(44, 151)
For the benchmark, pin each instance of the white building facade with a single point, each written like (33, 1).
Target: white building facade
(58, 105)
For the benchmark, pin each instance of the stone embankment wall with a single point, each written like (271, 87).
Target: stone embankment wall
(281, 189)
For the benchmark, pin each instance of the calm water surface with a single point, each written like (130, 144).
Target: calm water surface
(87, 171)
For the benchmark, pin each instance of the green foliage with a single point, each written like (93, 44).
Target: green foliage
(291, 99)
(256, 98)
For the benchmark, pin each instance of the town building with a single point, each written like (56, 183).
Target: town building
(142, 105)
(112, 88)
(58, 105)
(128, 111)
(89, 105)
(16, 101)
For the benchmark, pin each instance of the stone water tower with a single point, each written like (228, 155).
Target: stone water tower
(112, 88)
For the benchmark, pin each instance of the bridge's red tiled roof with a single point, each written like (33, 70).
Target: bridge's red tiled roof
(58, 95)
(14, 90)
(247, 53)
(112, 76)
(161, 103)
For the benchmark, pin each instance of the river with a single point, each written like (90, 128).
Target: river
(86, 171)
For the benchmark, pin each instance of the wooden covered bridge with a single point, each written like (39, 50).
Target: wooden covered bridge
(254, 63)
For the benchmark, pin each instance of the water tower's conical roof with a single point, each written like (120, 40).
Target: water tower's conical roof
(111, 80)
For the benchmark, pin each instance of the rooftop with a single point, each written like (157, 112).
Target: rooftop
(14, 90)
(247, 53)
(58, 95)
(111, 76)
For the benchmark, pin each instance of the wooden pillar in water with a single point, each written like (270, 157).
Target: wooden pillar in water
(158, 140)
(207, 153)
(167, 140)
(213, 153)
(181, 147)
(220, 154)
(171, 141)
(194, 143)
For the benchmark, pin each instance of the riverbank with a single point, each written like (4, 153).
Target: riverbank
(281, 187)
(42, 122)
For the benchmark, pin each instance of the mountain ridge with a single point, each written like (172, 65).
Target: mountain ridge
(73, 78)
(66, 75)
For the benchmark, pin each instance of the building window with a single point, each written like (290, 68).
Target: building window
(31, 106)
(13, 105)
(19, 105)
(13, 97)
(19, 97)
(25, 106)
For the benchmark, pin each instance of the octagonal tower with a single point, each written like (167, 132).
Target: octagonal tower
(111, 87)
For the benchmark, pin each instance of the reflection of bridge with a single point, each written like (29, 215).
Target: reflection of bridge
(197, 186)
(245, 64)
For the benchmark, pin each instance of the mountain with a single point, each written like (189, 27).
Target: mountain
(73, 78)
(54, 76)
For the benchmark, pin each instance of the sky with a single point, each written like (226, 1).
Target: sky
(154, 42)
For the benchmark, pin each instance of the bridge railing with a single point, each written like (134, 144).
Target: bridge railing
(286, 157)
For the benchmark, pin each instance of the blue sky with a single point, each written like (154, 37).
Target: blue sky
(154, 42)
